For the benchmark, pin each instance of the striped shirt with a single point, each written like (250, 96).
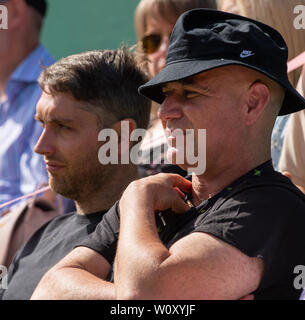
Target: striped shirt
(21, 169)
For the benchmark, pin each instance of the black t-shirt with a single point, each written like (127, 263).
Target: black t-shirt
(44, 249)
(262, 214)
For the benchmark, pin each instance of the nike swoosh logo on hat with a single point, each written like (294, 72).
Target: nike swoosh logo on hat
(246, 54)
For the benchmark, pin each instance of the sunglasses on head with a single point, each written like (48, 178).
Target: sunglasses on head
(151, 43)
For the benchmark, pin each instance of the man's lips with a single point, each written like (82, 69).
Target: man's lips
(173, 133)
(53, 166)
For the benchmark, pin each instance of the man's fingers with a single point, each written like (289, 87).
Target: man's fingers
(180, 182)
(180, 193)
(179, 206)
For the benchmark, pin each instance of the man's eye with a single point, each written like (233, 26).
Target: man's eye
(62, 126)
(190, 94)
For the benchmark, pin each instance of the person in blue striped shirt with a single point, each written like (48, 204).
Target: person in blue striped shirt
(21, 57)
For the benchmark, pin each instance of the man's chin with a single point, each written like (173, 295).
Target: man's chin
(62, 188)
(176, 157)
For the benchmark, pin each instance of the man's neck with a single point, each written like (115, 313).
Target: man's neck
(5, 74)
(10, 62)
(3, 96)
(207, 185)
(110, 191)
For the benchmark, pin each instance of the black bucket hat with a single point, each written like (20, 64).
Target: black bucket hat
(204, 39)
(39, 5)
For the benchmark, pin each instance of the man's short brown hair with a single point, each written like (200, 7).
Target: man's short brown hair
(106, 81)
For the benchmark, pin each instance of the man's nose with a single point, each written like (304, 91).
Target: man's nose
(45, 144)
(170, 109)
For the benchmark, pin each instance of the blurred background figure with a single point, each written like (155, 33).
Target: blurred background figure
(279, 14)
(292, 160)
(21, 58)
(154, 21)
(228, 5)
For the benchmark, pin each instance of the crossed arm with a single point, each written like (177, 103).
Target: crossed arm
(198, 266)
(80, 275)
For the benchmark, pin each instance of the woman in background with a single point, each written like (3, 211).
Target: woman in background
(154, 21)
(279, 14)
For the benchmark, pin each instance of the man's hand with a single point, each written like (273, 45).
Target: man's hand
(198, 266)
(159, 192)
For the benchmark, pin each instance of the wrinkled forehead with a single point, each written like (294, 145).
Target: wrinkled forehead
(222, 74)
(232, 78)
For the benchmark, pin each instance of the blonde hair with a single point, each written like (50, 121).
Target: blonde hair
(279, 15)
(168, 10)
(223, 5)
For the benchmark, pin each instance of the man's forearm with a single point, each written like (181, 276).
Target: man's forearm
(69, 283)
(139, 254)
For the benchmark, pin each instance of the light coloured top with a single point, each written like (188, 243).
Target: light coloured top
(293, 154)
(21, 169)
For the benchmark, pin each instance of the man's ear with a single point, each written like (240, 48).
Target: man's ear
(256, 102)
(16, 13)
(124, 128)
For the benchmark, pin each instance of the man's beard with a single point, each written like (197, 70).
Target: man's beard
(82, 181)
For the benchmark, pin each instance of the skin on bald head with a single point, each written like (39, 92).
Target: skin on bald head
(242, 77)
(264, 100)
(236, 105)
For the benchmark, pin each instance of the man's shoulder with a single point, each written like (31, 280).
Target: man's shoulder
(53, 225)
(61, 219)
(270, 194)
(271, 184)
(44, 233)
(67, 223)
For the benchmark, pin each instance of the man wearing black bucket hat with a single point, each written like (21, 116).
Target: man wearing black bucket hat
(235, 228)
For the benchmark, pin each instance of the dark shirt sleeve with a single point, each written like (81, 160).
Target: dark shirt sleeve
(105, 237)
(260, 227)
